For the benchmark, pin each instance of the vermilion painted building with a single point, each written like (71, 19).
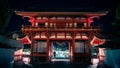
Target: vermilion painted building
(61, 36)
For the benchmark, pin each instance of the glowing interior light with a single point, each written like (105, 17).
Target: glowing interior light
(95, 61)
(26, 60)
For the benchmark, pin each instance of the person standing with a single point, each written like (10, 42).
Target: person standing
(54, 53)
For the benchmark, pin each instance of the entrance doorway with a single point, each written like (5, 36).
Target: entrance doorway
(60, 51)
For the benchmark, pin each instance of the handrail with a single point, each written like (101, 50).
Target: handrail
(44, 28)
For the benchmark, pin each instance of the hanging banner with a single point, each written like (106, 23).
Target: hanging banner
(25, 40)
(96, 41)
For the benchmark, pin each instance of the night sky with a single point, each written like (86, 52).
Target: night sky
(81, 4)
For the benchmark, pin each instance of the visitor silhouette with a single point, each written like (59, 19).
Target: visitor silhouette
(54, 53)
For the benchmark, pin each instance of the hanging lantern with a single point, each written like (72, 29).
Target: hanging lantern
(96, 41)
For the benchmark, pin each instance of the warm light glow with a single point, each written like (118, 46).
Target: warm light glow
(101, 54)
(25, 40)
(32, 20)
(90, 19)
(95, 61)
(96, 41)
(26, 60)
(18, 54)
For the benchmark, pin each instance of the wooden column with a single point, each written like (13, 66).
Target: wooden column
(31, 47)
(89, 46)
(73, 46)
(48, 42)
(85, 51)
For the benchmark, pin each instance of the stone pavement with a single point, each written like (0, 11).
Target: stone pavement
(62, 64)
(50, 65)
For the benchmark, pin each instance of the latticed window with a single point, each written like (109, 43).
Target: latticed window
(40, 47)
(79, 47)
